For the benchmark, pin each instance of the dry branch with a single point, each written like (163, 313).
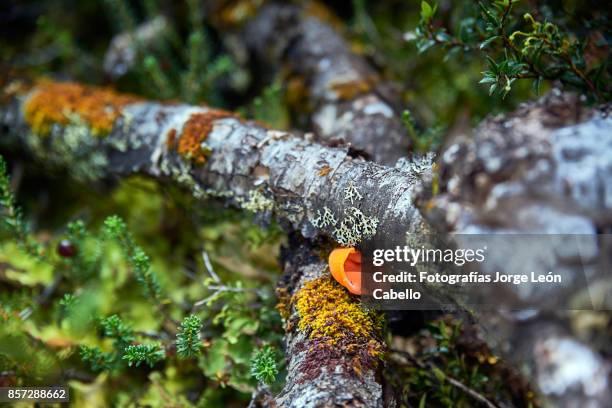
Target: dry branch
(328, 365)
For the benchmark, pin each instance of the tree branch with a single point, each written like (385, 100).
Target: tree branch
(341, 95)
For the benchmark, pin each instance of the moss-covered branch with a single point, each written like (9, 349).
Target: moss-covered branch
(334, 346)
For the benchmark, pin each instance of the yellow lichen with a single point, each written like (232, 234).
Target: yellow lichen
(347, 90)
(195, 131)
(58, 102)
(284, 303)
(327, 311)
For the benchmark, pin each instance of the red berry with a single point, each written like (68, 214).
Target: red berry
(66, 249)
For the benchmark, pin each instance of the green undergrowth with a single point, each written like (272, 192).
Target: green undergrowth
(458, 61)
(138, 307)
(446, 365)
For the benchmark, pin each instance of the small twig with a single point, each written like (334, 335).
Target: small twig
(472, 393)
(223, 288)
(25, 313)
(72, 374)
(209, 267)
(202, 302)
(261, 397)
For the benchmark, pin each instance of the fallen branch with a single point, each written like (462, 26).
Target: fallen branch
(314, 189)
(343, 97)
(543, 169)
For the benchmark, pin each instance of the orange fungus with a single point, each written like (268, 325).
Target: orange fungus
(345, 267)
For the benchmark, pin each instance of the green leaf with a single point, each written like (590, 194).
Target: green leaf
(137, 354)
(439, 374)
(263, 365)
(442, 36)
(488, 41)
(423, 401)
(487, 79)
(427, 12)
(188, 339)
(537, 83)
(424, 45)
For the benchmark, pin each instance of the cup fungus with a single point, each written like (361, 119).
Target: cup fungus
(345, 267)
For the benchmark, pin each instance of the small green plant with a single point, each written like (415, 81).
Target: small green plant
(116, 229)
(96, 358)
(172, 67)
(114, 328)
(136, 354)
(189, 338)
(12, 216)
(516, 48)
(423, 141)
(263, 365)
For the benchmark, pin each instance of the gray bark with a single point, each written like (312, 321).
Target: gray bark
(314, 189)
(346, 99)
(545, 168)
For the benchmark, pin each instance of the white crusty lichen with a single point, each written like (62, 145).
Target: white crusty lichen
(345, 235)
(355, 227)
(351, 193)
(72, 145)
(181, 173)
(256, 202)
(325, 219)
(352, 228)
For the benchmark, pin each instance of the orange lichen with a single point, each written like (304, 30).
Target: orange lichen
(171, 139)
(55, 103)
(195, 131)
(324, 171)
